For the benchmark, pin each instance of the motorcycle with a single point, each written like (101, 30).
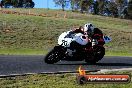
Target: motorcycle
(89, 50)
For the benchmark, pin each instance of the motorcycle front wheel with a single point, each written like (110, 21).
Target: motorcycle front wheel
(52, 57)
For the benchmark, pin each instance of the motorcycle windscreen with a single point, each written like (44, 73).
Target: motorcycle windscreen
(107, 39)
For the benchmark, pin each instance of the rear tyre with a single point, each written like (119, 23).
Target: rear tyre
(52, 57)
(97, 55)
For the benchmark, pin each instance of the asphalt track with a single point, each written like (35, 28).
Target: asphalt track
(35, 64)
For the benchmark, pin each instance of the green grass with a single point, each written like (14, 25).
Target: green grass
(21, 34)
(22, 52)
(56, 81)
(44, 52)
(118, 54)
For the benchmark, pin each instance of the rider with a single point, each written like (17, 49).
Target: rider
(87, 29)
(90, 32)
(94, 33)
(82, 30)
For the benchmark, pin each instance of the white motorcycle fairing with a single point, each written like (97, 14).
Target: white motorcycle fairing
(66, 41)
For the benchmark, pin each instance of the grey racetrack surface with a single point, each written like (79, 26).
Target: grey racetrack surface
(35, 64)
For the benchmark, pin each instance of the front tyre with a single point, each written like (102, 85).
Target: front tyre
(52, 57)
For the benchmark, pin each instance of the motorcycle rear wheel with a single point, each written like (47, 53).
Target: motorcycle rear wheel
(97, 55)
